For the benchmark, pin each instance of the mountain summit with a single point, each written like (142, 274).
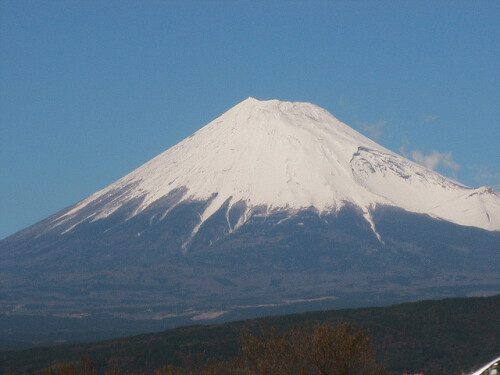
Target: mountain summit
(271, 206)
(288, 156)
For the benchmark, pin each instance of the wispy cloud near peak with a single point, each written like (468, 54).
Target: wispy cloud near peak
(435, 160)
(430, 118)
(375, 130)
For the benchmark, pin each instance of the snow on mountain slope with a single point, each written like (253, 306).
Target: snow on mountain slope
(291, 156)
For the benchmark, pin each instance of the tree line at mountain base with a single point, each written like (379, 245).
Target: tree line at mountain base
(324, 349)
(450, 336)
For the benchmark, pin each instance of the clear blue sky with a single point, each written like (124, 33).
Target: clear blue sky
(90, 90)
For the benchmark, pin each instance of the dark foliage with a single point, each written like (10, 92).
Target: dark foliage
(436, 337)
(322, 350)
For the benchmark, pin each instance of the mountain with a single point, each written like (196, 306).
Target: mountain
(271, 204)
(284, 156)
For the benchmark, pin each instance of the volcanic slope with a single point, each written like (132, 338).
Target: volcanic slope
(291, 156)
(271, 204)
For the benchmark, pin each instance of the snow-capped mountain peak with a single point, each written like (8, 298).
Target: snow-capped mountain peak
(289, 156)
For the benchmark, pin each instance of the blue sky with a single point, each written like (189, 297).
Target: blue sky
(90, 90)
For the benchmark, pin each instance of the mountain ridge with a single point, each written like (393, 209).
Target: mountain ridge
(292, 156)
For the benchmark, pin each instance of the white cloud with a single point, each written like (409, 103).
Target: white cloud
(485, 176)
(435, 160)
(404, 151)
(375, 130)
(430, 118)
